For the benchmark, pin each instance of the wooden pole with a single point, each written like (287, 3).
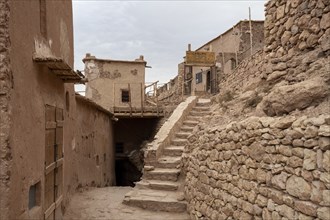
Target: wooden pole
(130, 99)
(251, 35)
(142, 99)
(114, 95)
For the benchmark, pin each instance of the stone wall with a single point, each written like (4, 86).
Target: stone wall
(264, 167)
(5, 109)
(246, 167)
(297, 38)
(240, 77)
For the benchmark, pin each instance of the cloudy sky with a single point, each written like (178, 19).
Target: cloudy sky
(159, 30)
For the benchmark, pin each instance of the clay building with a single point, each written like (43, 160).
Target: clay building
(119, 86)
(202, 74)
(46, 130)
(230, 48)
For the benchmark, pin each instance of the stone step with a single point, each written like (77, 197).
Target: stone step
(169, 162)
(203, 102)
(193, 118)
(179, 142)
(155, 200)
(158, 185)
(201, 108)
(183, 135)
(187, 129)
(190, 123)
(166, 174)
(197, 113)
(173, 150)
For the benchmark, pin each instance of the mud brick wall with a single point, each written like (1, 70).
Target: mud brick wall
(5, 109)
(266, 167)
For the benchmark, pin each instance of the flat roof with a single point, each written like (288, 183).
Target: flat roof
(137, 61)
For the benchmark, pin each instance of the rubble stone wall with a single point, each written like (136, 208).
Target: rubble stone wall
(240, 77)
(297, 38)
(266, 167)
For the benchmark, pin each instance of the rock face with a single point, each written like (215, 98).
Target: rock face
(287, 98)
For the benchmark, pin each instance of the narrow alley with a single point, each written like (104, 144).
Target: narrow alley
(106, 203)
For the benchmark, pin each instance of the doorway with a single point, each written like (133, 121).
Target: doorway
(53, 163)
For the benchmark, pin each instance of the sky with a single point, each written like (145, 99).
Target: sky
(158, 30)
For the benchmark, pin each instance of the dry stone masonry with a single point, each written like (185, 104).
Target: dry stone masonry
(264, 167)
(264, 151)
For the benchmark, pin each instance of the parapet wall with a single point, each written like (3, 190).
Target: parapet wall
(264, 167)
(168, 130)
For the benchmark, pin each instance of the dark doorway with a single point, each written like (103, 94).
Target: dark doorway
(131, 137)
(208, 81)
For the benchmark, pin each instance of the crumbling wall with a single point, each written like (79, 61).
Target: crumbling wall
(5, 110)
(265, 167)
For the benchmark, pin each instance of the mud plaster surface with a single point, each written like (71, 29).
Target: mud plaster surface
(106, 203)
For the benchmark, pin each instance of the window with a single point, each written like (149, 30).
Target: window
(124, 95)
(34, 195)
(199, 77)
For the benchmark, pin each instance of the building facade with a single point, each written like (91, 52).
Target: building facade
(39, 114)
(115, 83)
(230, 48)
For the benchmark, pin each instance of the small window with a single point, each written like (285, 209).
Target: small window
(34, 195)
(119, 147)
(199, 77)
(124, 95)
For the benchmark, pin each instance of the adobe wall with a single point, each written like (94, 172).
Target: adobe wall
(106, 79)
(90, 158)
(267, 168)
(34, 86)
(5, 110)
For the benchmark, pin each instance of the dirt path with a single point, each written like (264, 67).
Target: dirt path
(106, 203)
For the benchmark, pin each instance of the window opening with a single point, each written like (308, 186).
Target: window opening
(124, 95)
(199, 77)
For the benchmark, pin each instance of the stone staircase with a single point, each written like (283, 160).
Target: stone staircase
(160, 188)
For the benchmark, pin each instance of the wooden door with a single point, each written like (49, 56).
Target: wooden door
(53, 163)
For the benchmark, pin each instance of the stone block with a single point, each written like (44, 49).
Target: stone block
(309, 160)
(305, 207)
(298, 187)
